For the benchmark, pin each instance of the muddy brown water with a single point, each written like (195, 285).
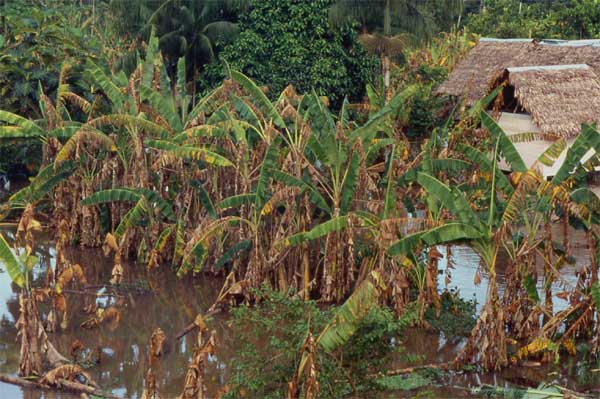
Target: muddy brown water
(174, 303)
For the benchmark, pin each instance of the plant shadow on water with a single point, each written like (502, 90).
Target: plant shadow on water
(174, 303)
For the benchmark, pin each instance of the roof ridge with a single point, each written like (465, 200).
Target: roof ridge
(558, 67)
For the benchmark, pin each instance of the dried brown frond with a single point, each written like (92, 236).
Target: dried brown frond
(81, 102)
(285, 195)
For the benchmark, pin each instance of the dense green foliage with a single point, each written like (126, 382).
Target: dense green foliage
(559, 19)
(275, 329)
(456, 317)
(35, 40)
(420, 19)
(283, 43)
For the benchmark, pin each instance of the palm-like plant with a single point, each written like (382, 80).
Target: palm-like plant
(185, 28)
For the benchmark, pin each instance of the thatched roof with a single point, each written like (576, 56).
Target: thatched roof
(472, 75)
(559, 98)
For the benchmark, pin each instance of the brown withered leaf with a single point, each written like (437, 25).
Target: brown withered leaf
(116, 274)
(67, 372)
(477, 278)
(76, 347)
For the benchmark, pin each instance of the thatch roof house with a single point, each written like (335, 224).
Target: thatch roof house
(558, 98)
(472, 76)
(551, 100)
(550, 87)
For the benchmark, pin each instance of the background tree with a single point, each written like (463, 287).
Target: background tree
(388, 26)
(560, 19)
(282, 43)
(196, 30)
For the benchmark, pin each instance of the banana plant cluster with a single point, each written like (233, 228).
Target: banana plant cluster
(283, 192)
(493, 212)
(290, 194)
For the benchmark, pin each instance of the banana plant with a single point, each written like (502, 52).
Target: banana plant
(486, 232)
(15, 269)
(342, 326)
(256, 125)
(338, 153)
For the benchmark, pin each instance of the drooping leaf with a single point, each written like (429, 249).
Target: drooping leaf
(236, 200)
(112, 195)
(42, 185)
(450, 232)
(407, 245)
(349, 184)
(587, 139)
(196, 248)
(163, 238)
(481, 161)
(205, 199)
(450, 198)
(162, 106)
(26, 126)
(531, 289)
(269, 163)
(179, 243)
(157, 202)
(96, 75)
(126, 121)
(10, 261)
(449, 165)
(228, 255)
(132, 218)
(259, 98)
(17, 132)
(314, 195)
(348, 317)
(330, 226)
(84, 135)
(201, 154)
(507, 148)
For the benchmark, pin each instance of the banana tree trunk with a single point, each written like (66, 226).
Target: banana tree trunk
(566, 230)
(548, 275)
(487, 343)
(592, 245)
(386, 77)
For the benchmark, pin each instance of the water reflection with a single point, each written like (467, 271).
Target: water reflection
(466, 263)
(123, 360)
(174, 303)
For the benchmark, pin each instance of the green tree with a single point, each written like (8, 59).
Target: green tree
(34, 42)
(561, 19)
(282, 43)
(194, 30)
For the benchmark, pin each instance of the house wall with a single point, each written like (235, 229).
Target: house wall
(531, 150)
(517, 123)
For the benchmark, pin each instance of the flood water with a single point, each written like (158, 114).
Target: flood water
(174, 303)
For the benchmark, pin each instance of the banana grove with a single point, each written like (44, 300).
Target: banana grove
(323, 205)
